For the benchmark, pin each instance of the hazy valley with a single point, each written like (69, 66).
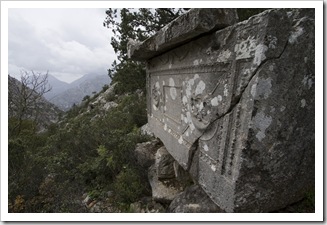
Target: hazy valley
(65, 95)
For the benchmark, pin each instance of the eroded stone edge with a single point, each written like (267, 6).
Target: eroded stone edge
(163, 40)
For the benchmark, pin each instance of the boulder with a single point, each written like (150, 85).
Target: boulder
(109, 105)
(146, 205)
(163, 191)
(193, 200)
(95, 208)
(145, 130)
(86, 199)
(136, 207)
(110, 90)
(164, 164)
(145, 152)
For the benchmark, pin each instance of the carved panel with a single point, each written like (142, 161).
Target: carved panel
(189, 96)
(219, 144)
(213, 141)
(202, 97)
(172, 103)
(156, 95)
(243, 73)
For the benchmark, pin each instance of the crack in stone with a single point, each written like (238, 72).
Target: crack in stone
(193, 149)
(234, 103)
(237, 99)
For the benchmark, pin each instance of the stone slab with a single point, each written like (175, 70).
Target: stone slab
(183, 29)
(236, 109)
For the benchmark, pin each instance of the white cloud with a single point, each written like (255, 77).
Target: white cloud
(67, 42)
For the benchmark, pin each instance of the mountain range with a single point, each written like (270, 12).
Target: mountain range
(65, 95)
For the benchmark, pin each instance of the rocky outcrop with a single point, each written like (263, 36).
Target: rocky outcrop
(167, 178)
(163, 191)
(235, 107)
(193, 200)
(145, 130)
(145, 152)
(102, 101)
(103, 205)
(164, 164)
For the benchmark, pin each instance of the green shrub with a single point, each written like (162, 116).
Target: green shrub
(86, 97)
(82, 154)
(94, 194)
(129, 76)
(104, 88)
(246, 13)
(128, 186)
(309, 200)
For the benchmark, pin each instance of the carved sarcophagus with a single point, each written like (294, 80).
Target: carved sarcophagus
(234, 103)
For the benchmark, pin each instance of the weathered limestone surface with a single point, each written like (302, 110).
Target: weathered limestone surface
(181, 30)
(163, 191)
(236, 107)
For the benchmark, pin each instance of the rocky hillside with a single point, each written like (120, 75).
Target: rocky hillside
(99, 159)
(25, 103)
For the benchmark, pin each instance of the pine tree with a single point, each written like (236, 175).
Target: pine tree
(135, 24)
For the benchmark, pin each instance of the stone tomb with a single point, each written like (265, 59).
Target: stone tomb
(233, 103)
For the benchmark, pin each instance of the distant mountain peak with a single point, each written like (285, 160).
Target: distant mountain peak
(74, 92)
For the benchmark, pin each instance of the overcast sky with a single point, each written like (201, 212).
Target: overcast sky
(67, 42)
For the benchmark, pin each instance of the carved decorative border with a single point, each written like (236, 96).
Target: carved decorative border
(206, 68)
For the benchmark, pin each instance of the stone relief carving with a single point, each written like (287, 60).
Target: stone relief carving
(203, 108)
(156, 95)
(218, 117)
(201, 111)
